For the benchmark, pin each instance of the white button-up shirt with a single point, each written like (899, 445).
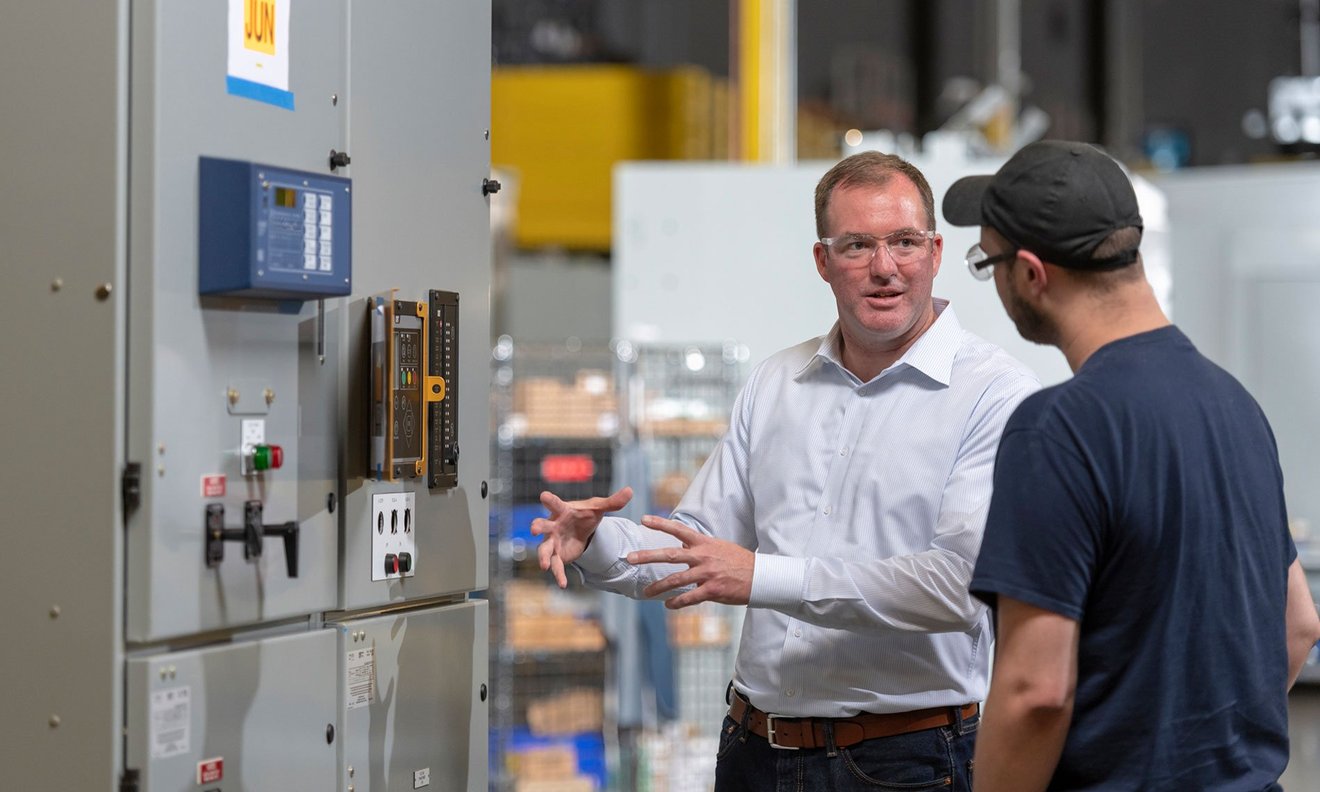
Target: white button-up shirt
(865, 503)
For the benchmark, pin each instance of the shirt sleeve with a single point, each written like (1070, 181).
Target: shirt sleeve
(718, 503)
(921, 592)
(1043, 535)
(1290, 546)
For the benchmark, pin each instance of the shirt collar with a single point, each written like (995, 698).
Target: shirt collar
(932, 354)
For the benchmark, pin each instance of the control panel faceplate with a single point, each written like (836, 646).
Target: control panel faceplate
(273, 232)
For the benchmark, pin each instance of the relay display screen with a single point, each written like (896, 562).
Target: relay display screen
(286, 197)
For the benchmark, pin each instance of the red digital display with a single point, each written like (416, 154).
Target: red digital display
(567, 468)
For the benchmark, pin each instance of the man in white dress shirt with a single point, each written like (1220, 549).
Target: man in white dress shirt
(844, 507)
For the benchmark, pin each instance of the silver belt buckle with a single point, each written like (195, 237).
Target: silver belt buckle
(770, 735)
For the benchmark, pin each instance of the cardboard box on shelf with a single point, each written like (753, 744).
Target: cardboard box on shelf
(696, 628)
(595, 382)
(571, 712)
(551, 632)
(547, 407)
(586, 748)
(668, 490)
(683, 427)
(541, 618)
(550, 762)
(538, 597)
(574, 784)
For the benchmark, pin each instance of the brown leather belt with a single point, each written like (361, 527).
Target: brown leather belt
(810, 732)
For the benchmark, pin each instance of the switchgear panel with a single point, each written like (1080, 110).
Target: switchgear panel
(273, 232)
(414, 358)
(217, 352)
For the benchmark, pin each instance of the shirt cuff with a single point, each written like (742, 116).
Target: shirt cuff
(605, 550)
(777, 581)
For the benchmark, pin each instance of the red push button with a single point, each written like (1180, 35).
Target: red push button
(267, 457)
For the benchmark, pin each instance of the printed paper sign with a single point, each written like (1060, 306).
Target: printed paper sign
(259, 51)
(361, 677)
(171, 721)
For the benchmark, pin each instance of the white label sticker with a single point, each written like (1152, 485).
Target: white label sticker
(422, 778)
(361, 677)
(259, 41)
(171, 721)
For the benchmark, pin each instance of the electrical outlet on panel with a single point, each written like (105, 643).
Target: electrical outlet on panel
(393, 535)
(252, 433)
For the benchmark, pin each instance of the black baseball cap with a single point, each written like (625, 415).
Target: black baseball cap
(1056, 198)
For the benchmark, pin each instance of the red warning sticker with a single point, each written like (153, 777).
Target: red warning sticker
(209, 770)
(213, 486)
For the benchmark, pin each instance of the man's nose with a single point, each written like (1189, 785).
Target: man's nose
(882, 263)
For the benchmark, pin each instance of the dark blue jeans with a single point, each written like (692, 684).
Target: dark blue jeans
(930, 759)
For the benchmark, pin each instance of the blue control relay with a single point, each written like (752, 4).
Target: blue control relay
(273, 232)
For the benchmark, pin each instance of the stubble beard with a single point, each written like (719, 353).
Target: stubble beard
(1031, 324)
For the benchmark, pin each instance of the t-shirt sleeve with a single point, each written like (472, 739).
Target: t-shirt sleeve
(1043, 531)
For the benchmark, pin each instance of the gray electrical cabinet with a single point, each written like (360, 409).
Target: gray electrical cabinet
(401, 722)
(246, 391)
(256, 714)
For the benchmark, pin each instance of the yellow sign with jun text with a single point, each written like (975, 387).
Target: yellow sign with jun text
(259, 25)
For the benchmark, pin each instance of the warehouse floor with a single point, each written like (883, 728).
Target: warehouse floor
(1303, 773)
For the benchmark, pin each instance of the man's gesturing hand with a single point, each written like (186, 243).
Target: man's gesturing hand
(570, 527)
(720, 571)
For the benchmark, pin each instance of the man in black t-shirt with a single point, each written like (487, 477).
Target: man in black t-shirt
(1151, 610)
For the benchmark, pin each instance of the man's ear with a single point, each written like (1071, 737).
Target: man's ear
(820, 253)
(1035, 276)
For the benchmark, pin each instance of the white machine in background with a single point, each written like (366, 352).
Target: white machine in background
(1246, 261)
(709, 251)
(241, 365)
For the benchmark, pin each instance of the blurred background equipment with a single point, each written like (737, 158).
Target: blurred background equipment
(631, 694)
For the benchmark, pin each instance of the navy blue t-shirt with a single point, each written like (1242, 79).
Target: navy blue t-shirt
(1143, 498)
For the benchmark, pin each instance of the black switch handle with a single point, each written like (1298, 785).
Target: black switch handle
(217, 534)
(289, 532)
(252, 532)
(251, 535)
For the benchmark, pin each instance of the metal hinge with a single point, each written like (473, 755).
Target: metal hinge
(131, 488)
(128, 782)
